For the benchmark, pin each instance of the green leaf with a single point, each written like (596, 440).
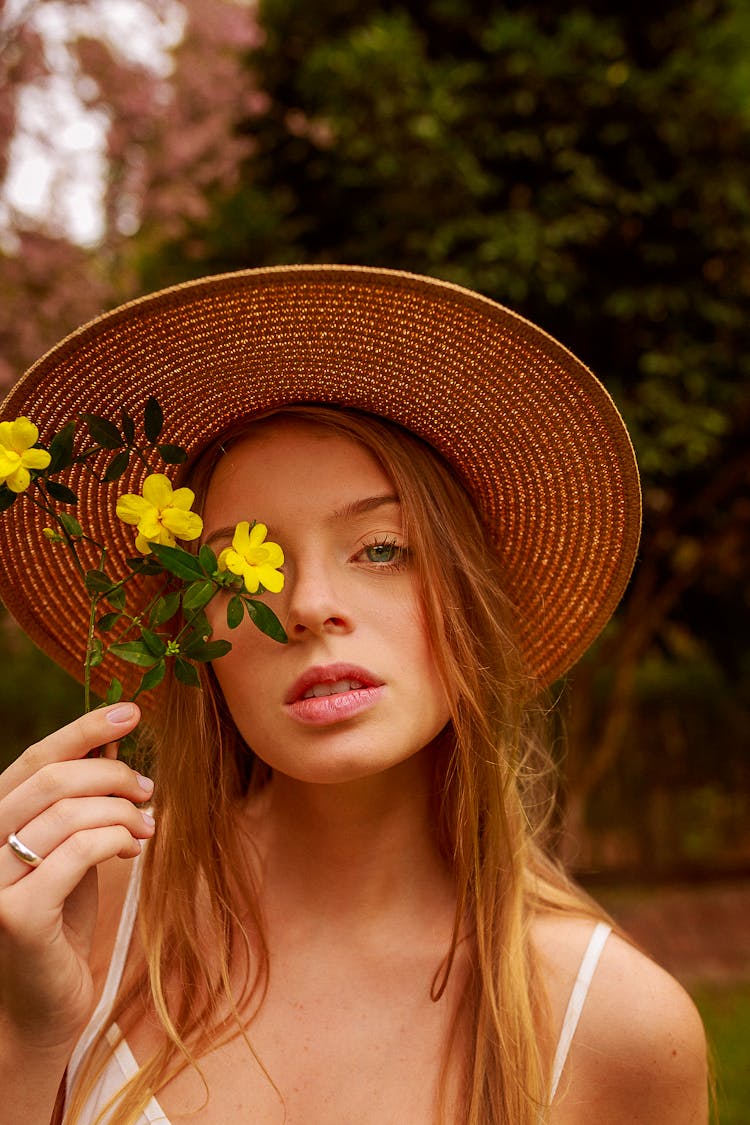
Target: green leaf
(266, 620)
(96, 653)
(153, 420)
(207, 650)
(198, 594)
(107, 621)
(198, 629)
(116, 467)
(199, 621)
(228, 581)
(116, 597)
(235, 612)
(114, 691)
(97, 582)
(128, 427)
(71, 525)
(172, 454)
(7, 498)
(103, 432)
(61, 448)
(144, 565)
(177, 561)
(207, 559)
(153, 642)
(134, 652)
(61, 493)
(153, 677)
(186, 673)
(165, 608)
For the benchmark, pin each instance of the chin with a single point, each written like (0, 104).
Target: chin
(338, 767)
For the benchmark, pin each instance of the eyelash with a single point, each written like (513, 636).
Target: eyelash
(401, 553)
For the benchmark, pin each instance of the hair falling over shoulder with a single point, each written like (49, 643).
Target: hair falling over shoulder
(493, 801)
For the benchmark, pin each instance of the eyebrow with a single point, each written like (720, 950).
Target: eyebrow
(363, 506)
(349, 511)
(220, 533)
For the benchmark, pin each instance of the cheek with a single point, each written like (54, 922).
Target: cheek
(243, 672)
(245, 682)
(416, 652)
(216, 612)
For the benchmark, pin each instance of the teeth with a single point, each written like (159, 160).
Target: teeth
(319, 690)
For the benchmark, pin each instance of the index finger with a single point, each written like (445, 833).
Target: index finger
(76, 740)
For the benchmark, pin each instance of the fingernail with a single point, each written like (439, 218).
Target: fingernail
(148, 819)
(145, 782)
(121, 714)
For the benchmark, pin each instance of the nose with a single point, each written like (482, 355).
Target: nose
(316, 602)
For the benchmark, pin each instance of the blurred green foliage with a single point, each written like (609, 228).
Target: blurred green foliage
(587, 165)
(35, 695)
(726, 1014)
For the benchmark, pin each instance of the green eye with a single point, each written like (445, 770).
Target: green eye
(387, 554)
(382, 552)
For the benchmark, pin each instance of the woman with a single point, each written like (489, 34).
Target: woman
(346, 911)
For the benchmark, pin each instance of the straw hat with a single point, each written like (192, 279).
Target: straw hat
(533, 435)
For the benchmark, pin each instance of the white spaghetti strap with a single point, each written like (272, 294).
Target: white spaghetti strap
(114, 975)
(577, 1000)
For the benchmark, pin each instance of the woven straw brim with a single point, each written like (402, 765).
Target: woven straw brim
(533, 435)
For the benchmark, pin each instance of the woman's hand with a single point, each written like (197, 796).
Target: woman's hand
(73, 812)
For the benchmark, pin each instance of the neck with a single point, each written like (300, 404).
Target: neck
(354, 856)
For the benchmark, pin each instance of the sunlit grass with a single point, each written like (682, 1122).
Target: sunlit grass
(726, 1014)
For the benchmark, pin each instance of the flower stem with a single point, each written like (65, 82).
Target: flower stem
(87, 661)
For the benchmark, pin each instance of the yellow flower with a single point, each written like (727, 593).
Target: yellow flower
(255, 561)
(161, 514)
(17, 455)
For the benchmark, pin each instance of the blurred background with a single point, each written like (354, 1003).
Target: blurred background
(585, 164)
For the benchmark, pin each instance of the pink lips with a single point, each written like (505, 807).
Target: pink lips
(332, 693)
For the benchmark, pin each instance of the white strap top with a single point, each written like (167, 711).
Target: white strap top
(577, 999)
(122, 1065)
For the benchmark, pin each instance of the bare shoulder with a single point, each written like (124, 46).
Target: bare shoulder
(639, 1053)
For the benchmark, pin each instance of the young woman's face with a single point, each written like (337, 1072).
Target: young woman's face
(356, 690)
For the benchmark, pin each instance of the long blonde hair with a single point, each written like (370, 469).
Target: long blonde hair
(493, 799)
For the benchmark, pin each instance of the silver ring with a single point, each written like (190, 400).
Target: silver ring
(31, 859)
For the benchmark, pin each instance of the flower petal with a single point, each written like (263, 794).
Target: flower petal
(182, 498)
(10, 462)
(185, 525)
(272, 579)
(258, 534)
(19, 481)
(150, 525)
(165, 537)
(230, 560)
(157, 489)
(241, 538)
(274, 555)
(23, 434)
(35, 458)
(250, 578)
(131, 508)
